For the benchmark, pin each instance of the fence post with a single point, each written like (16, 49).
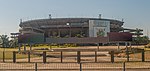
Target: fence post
(78, 57)
(80, 66)
(29, 56)
(97, 46)
(25, 47)
(61, 56)
(30, 47)
(112, 56)
(44, 57)
(95, 56)
(3, 56)
(124, 66)
(143, 55)
(35, 66)
(127, 53)
(14, 57)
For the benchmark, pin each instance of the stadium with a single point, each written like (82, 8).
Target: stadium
(74, 27)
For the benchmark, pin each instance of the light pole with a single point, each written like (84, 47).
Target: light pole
(68, 24)
(58, 31)
(82, 30)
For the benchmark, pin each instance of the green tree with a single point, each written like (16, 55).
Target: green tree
(13, 42)
(4, 40)
(145, 39)
(138, 39)
(141, 40)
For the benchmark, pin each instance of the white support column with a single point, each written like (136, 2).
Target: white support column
(130, 44)
(118, 46)
(126, 44)
(97, 46)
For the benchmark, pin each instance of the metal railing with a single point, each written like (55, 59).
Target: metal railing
(124, 66)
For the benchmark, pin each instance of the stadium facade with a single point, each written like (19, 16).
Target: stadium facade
(73, 27)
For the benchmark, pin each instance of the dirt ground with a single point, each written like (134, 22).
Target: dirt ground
(70, 61)
(87, 54)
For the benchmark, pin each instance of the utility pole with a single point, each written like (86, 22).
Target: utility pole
(147, 33)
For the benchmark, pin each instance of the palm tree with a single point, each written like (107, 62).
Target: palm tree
(4, 40)
(13, 42)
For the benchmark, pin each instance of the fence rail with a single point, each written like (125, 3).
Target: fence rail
(74, 61)
(74, 56)
(138, 66)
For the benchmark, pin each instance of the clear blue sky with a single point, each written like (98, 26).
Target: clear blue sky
(136, 13)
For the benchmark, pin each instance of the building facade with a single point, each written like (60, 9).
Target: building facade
(71, 27)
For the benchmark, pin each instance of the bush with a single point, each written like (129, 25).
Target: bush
(147, 46)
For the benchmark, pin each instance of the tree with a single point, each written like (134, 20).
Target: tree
(4, 40)
(138, 39)
(1, 42)
(13, 42)
(145, 39)
(141, 40)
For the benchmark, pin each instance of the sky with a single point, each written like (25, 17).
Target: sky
(136, 13)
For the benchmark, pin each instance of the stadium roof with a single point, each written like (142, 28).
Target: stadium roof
(39, 22)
